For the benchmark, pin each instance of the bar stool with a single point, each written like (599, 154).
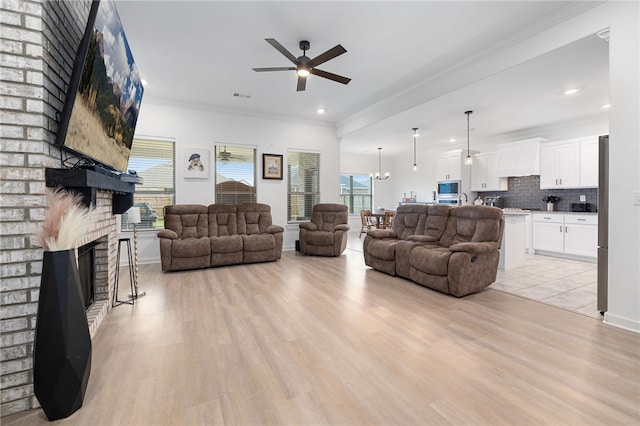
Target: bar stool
(134, 295)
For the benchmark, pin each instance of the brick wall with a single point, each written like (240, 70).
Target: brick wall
(38, 41)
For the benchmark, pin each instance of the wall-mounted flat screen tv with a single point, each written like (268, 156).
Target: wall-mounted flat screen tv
(103, 101)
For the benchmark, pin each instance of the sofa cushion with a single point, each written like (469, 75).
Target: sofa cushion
(472, 224)
(253, 218)
(223, 220)
(319, 238)
(408, 219)
(226, 244)
(187, 220)
(258, 242)
(190, 247)
(432, 260)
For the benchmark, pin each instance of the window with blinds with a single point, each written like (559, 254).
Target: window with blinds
(356, 192)
(235, 181)
(303, 190)
(153, 160)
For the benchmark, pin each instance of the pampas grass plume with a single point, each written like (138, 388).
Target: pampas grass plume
(66, 221)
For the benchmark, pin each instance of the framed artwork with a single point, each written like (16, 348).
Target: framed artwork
(196, 163)
(271, 166)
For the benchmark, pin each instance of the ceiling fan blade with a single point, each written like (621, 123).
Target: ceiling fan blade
(302, 83)
(280, 48)
(329, 54)
(330, 76)
(274, 69)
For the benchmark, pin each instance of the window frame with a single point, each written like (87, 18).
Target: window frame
(142, 193)
(314, 180)
(349, 198)
(217, 196)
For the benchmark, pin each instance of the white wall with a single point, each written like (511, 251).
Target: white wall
(191, 126)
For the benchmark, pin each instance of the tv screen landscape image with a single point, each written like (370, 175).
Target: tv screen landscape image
(103, 102)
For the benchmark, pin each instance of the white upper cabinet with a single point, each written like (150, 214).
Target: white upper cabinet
(484, 173)
(560, 165)
(449, 165)
(569, 164)
(589, 163)
(520, 158)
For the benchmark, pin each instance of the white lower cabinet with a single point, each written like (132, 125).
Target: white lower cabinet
(581, 235)
(571, 234)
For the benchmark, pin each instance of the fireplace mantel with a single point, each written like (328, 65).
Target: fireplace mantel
(87, 182)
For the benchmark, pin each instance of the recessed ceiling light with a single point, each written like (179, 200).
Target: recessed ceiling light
(571, 91)
(320, 110)
(605, 106)
(452, 140)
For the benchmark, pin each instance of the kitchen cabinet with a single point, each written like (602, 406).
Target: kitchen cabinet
(581, 235)
(568, 234)
(589, 163)
(449, 165)
(560, 166)
(548, 232)
(484, 174)
(520, 158)
(569, 164)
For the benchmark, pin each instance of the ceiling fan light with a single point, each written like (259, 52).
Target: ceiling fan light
(303, 71)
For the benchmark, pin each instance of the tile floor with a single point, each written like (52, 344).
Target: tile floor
(568, 284)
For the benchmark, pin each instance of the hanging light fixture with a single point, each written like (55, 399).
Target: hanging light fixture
(468, 161)
(415, 135)
(378, 175)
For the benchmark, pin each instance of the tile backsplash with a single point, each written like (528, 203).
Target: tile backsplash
(524, 192)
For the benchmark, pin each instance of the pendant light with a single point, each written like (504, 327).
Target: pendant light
(468, 161)
(378, 175)
(415, 135)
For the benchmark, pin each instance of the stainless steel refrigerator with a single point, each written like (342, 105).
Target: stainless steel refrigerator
(603, 222)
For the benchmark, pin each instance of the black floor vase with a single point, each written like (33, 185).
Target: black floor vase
(62, 352)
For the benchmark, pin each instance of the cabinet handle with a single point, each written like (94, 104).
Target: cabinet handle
(582, 219)
(560, 228)
(546, 218)
(566, 229)
(560, 181)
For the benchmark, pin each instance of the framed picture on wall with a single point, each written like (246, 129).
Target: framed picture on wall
(271, 166)
(196, 163)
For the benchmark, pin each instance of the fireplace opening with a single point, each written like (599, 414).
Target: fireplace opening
(87, 270)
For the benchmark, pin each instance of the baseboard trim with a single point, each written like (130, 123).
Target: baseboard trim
(621, 322)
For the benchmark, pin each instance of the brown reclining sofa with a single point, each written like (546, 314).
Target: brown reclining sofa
(454, 250)
(197, 236)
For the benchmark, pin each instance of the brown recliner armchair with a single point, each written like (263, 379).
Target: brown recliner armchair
(327, 233)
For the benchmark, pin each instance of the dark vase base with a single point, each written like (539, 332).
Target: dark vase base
(62, 352)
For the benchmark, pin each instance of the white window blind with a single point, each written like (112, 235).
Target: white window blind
(153, 160)
(303, 190)
(235, 174)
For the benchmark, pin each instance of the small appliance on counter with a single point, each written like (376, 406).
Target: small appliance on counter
(581, 207)
(493, 201)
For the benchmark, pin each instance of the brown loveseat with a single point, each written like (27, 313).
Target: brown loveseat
(454, 250)
(327, 233)
(197, 236)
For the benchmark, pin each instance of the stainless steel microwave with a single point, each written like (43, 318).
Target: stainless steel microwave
(449, 188)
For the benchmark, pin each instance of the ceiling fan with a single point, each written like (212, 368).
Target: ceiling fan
(304, 65)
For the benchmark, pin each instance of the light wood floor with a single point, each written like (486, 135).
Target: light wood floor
(313, 341)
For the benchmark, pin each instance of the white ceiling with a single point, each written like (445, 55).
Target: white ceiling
(202, 53)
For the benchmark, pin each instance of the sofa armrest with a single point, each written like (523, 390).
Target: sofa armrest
(309, 226)
(382, 233)
(274, 229)
(422, 238)
(168, 233)
(341, 227)
(475, 248)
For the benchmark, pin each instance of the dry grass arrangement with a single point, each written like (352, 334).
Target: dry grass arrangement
(66, 221)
